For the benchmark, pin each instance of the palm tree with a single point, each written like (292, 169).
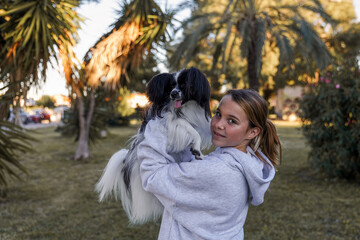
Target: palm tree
(142, 25)
(31, 33)
(247, 24)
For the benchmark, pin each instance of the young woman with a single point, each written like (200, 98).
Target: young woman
(209, 198)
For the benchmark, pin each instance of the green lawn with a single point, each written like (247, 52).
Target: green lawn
(57, 198)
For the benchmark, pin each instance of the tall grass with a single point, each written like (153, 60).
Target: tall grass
(57, 199)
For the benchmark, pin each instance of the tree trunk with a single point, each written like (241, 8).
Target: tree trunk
(4, 107)
(82, 151)
(252, 60)
(279, 103)
(16, 112)
(14, 89)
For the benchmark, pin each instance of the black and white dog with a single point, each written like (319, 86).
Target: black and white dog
(182, 99)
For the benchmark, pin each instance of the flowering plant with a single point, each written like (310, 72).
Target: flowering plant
(330, 112)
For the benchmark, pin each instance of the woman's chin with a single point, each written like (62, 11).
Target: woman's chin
(217, 143)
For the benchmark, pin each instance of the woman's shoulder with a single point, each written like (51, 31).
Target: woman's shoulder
(231, 157)
(222, 158)
(217, 168)
(226, 152)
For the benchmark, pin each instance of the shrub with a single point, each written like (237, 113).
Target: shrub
(330, 112)
(102, 112)
(46, 101)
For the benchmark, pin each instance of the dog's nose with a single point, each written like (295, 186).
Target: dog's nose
(175, 93)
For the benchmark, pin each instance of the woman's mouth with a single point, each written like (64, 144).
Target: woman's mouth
(216, 134)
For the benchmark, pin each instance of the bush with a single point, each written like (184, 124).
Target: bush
(123, 113)
(330, 112)
(46, 101)
(102, 112)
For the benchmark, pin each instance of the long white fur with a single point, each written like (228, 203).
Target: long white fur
(192, 129)
(185, 131)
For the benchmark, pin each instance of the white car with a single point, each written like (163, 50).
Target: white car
(24, 116)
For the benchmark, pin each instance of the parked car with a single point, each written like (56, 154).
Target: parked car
(24, 116)
(39, 116)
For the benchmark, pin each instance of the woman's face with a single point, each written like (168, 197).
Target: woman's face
(230, 125)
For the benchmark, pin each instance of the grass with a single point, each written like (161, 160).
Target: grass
(57, 199)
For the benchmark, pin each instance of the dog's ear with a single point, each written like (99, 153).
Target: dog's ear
(159, 87)
(202, 86)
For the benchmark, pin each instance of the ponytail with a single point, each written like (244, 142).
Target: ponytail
(269, 143)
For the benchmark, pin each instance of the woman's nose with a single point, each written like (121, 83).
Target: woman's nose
(220, 124)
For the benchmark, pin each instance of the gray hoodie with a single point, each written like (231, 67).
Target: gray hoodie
(203, 199)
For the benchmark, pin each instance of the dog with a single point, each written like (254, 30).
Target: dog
(182, 98)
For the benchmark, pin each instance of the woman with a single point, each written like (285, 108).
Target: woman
(209, 198)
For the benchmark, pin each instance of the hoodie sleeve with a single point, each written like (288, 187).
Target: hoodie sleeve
(156, 163)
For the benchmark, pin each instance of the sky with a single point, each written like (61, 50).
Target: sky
(99, 16)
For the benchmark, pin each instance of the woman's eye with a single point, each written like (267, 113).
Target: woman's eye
(232, 121)
(217, 114)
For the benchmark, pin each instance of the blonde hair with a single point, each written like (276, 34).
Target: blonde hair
(256, 110)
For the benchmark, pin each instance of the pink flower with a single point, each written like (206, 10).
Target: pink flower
(327, 80)
(337, 86)
(321, 79)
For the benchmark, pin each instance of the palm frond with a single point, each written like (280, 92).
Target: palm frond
(35, 29)
(286, 51)
(190, 21)
(318, 8)
(141, 25)
(13, 140)
(189, 44)
(311, 41)
(109, 58)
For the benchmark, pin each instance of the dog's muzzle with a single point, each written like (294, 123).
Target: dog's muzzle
(175, 94)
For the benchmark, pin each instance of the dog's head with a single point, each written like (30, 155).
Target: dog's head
(178, 88)
(191, 84)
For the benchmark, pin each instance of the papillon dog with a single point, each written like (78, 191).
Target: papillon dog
(182, 98)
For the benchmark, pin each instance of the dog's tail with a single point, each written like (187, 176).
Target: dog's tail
(139, 205)
(111, 182)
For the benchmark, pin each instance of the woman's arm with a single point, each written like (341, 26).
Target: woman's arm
(186, 184)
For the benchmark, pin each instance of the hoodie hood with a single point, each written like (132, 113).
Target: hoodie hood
(257, 173)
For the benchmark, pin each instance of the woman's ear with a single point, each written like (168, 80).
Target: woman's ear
(253, 132)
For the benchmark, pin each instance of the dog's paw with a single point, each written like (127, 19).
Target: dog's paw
(197, 153)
